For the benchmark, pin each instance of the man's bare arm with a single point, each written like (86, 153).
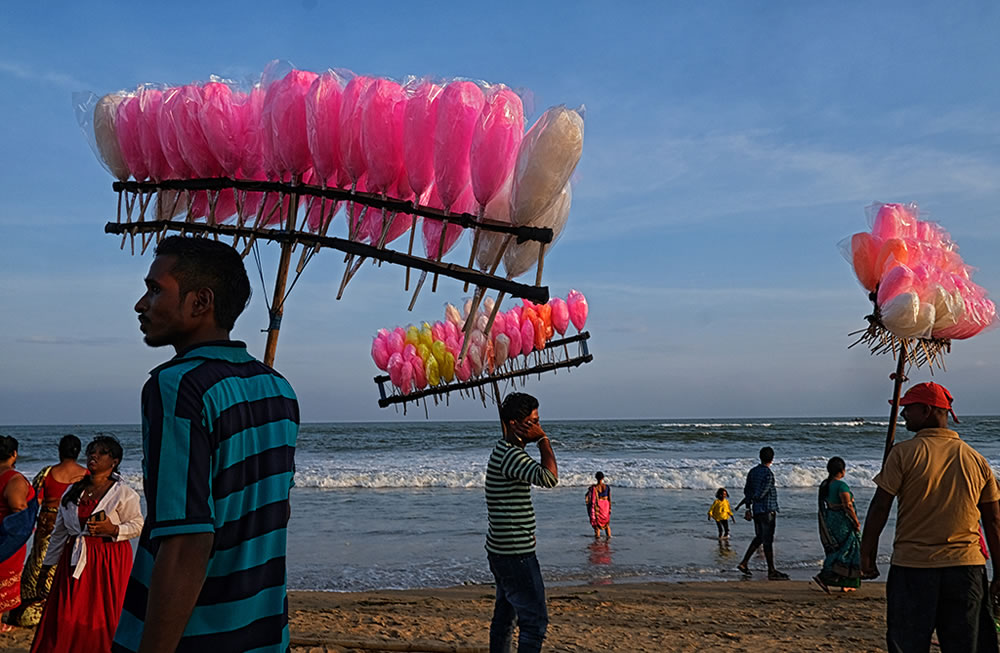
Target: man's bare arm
(548, 456)
(178, 576)
(878, 515)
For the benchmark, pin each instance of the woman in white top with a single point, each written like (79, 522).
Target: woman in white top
(97, 516)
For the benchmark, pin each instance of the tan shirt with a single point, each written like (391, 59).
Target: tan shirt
(939, 481)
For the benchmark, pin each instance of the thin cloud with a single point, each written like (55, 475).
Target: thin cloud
(73, 341)
(47, 77)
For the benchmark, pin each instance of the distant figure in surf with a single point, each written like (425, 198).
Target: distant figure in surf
(599, 506)
(761, 499)
(721, 512)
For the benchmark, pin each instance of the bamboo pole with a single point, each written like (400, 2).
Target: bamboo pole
(898, 379)
(278, 301)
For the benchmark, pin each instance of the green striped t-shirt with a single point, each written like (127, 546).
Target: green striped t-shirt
(510, 474)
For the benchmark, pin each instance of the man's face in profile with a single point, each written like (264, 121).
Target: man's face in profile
(162, 316)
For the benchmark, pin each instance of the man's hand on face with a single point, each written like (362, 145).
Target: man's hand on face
(529, 430)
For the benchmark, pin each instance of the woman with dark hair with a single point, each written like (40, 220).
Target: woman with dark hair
(15, 496)
(97, 516)
(49, 484)
(839, 531)
(599, 506)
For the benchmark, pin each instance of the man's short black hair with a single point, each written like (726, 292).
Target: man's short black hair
(207, 263)
(766, 455)
(69, 447)
(835, 465)
(517, 406)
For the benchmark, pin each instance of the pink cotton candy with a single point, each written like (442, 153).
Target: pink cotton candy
(222, 121)
(406, 378)
(897, 280)
(501, 349)
(576, 303)
(288, 122)
(380, 353)
(527, 337)
(323, 128)
(514, 335)
(252, 155)
(560, 315)
(191, 137)
(419, 374)
(127, 128)
(150, 101)
(894, 221)
(457, 113)
(351, 106)
(419, 120)
(383, 105)
(495, 140)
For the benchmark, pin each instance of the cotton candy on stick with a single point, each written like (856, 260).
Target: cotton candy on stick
(546, 159)
(493, 152)
(323, 102)
(383, 108)
(105, 112)
(419, 120)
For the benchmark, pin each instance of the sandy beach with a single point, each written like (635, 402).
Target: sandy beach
(752, 615)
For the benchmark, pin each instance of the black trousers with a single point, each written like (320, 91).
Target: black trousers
(954, 600)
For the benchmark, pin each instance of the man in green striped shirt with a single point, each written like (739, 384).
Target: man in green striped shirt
(510, 540)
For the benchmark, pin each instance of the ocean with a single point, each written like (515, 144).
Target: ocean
(397, 505)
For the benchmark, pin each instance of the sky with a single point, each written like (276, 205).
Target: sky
(729, 147)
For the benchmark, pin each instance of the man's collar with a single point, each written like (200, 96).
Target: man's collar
(936, 433)
(232, 351)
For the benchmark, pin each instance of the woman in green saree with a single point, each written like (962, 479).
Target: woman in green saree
(839, 531)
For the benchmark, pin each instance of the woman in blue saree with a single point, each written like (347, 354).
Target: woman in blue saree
(839, 531)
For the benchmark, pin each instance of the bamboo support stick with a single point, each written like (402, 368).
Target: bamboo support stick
(898, 379)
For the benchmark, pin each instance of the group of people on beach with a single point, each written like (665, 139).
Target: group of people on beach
(73, 582)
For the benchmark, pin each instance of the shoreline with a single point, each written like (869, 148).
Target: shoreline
(697, 616)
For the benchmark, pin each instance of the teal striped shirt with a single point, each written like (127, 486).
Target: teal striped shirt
(510, 474)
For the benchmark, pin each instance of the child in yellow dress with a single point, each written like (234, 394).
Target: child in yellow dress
(721, 512)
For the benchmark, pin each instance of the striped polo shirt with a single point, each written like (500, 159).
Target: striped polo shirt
(510, 474)
(218, 437)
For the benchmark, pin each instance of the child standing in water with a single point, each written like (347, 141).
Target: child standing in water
(599, 506)
(721, 512)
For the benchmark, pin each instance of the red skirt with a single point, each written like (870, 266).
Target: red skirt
(81, 615)
(10, 580)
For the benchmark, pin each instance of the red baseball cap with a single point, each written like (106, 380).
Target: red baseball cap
(930, 394)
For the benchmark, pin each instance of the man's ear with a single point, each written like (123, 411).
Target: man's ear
(203, 302)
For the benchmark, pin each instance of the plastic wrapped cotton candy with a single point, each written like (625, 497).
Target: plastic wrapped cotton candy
(288, 122)
(104, 134)
(864, 250)
(434, 246)
(893, 220)
(150, 100)
(167, 126)
(383, 105)
(323, 128)
(495, 141)
(458, 110)
(519, 258)
(223, 122)
(898, 280)
(490, 243)
(127, 127)
(578, 309)
(419, 120)
(560, 315)
(547, 157)
(352, 153)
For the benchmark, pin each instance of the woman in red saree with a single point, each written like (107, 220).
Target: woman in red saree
(15, 495)
(599, 506)
(97, 517)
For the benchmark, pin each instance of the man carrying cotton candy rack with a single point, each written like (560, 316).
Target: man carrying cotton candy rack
(937, 577)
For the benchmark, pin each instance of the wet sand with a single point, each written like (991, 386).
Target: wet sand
(755, 615)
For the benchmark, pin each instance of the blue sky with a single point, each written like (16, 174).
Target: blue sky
(728, 148)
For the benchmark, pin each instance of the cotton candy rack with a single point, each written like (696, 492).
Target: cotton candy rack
(921, 287)
(527, 339)
(280, 157)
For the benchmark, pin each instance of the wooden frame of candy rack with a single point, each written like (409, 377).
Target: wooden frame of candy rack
(537, 362)
(915, 351)
(136, 198)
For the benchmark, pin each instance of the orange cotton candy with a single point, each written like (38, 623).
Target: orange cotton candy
(864, 250)
(894, 248)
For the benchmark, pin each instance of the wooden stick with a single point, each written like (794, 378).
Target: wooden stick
(898, 379)
(541, 264)
(409, 251)
(278, 301)
(475, 245)
(444, 229)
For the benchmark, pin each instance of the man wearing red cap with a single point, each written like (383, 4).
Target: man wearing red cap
(937, 577)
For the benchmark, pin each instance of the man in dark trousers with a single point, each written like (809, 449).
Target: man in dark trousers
(761, 499)
(510, 540)
(218, 433)
(937, 577)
